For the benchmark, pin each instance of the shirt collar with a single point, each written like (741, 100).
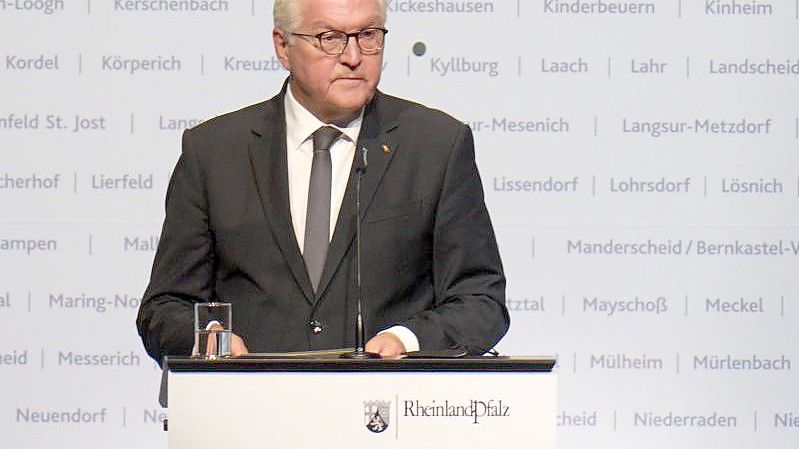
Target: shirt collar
(301, 123)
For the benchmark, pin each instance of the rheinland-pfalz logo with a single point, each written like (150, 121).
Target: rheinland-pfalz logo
(376, 415)
(473, 410)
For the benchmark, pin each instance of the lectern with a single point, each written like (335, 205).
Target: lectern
(298, 403)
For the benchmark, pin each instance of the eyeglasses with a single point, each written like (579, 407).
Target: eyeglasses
(334, 42)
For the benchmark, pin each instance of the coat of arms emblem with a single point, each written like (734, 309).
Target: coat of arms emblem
(376, 415)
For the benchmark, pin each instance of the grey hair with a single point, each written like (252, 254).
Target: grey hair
(287, 14)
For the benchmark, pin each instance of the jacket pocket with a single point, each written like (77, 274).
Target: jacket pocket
(393, 211)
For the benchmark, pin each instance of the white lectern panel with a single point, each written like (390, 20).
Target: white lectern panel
(371, 410)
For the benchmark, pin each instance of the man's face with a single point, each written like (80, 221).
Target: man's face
(334, 88)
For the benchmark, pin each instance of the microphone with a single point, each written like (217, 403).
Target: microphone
(359, 353)
(360, 167)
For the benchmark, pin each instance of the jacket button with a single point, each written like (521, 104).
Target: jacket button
(316, 326)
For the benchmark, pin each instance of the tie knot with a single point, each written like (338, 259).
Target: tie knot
(324, 137)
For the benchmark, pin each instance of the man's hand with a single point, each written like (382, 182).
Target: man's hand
(237, 346)
(385, 344)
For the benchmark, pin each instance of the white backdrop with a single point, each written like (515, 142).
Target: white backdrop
(640, 161)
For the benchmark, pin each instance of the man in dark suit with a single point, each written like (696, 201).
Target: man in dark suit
(243, 222)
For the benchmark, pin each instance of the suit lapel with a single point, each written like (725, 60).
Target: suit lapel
(270, 167)
(375, 136)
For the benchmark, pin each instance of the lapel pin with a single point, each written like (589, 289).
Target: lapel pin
(386, 149)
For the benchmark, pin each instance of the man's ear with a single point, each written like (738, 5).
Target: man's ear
(281, 42)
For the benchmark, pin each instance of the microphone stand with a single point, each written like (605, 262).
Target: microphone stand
(359, 352)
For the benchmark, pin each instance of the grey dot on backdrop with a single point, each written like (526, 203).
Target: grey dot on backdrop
(419, 48)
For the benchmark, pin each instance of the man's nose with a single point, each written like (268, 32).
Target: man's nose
(352, 53)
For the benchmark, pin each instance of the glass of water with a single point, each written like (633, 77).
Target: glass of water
(212, 329)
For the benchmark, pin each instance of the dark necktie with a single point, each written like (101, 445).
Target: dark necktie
(317, 220)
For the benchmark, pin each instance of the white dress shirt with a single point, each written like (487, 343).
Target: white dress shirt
(300, 126)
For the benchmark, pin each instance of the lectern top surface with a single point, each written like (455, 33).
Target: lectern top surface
(278, 363)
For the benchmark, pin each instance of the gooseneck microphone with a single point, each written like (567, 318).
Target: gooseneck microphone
(359, 353)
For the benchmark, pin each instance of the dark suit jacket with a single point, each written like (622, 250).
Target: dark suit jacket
(430, 259)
